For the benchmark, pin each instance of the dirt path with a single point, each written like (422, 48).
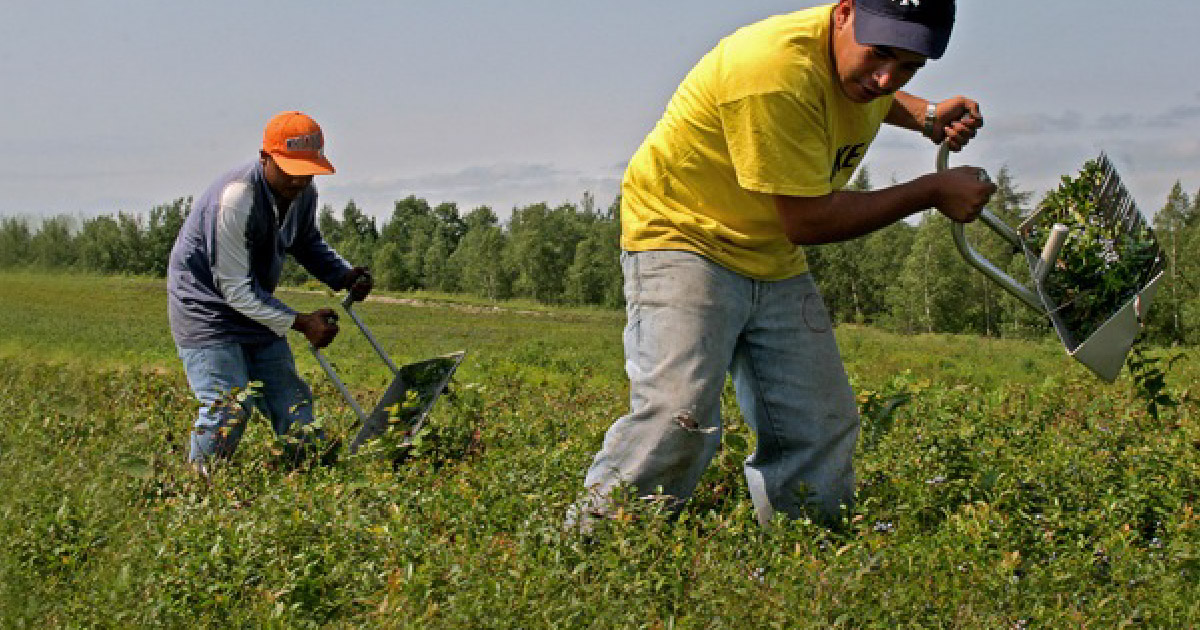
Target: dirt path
(468, 308)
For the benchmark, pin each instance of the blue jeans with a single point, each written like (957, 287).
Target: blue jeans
(217, 374)
(690, 321)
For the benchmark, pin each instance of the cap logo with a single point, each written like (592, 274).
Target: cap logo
(310, 142)
(908, 3)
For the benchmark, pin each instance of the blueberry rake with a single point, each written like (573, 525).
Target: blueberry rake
(409, 398)
(1103, 338)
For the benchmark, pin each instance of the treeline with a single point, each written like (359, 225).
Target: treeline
(563, 255)
(568, 254)
(908, 277)
(124, 243)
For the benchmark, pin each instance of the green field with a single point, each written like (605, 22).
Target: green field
(1000, 486)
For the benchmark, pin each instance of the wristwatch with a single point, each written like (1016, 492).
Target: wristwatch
(930, 118)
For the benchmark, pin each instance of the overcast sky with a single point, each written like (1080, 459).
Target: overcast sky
(124, 104)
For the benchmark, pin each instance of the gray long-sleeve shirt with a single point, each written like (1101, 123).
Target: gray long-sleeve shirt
(227, 259)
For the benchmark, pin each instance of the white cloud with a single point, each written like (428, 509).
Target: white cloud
(1174, 117)
(1116, 121)
(1035, 124)
(1070, 122)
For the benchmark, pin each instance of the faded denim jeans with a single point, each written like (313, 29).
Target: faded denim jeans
(691, 321)
(217, 372)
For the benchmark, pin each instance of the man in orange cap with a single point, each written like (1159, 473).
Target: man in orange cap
(229, 327)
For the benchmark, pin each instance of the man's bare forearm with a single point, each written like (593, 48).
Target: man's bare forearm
(960, 193)
(907, 112)
(844, 215)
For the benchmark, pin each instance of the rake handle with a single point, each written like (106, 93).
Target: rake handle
(977, 260)
(348, 305)
(337, 382)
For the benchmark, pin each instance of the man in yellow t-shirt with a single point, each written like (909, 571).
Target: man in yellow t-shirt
(745, 167)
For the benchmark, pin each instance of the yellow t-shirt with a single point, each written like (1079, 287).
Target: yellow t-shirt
(759, 115)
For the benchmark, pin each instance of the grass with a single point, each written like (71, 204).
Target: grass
(999, 486)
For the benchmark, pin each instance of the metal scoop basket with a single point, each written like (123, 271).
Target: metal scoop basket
(409, 398)
(1097, 315)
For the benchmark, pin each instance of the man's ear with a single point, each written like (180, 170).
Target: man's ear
(843, 12)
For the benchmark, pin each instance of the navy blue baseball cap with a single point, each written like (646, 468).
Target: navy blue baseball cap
(920, 26)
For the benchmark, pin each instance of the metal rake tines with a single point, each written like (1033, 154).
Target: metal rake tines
(1117, 207)
(1114, 200)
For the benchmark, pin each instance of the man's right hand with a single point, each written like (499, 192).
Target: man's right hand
(319, 326)
(961, 193)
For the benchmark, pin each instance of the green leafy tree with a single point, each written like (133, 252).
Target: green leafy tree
(53, 245)
(1188, 264)
(15, 240)
(928, 294)
(389, 269)
(542, 243)
(162, 228)
(594, 276)
(448, 230)
(99, 245)
(409, 230)
(358, 235)
(414, 257)
(478, 255)
(881, 257)
(1172, 231)
(452, 225)
(328, 224)
(480, 217)
(133, 244)
(438, 273)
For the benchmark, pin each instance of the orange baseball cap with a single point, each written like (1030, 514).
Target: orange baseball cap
(295, 142)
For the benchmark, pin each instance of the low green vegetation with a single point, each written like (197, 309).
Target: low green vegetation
(1000, 486)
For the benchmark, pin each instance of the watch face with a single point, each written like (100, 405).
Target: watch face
(930, 117)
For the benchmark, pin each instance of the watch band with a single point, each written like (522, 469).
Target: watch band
(930, 118)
